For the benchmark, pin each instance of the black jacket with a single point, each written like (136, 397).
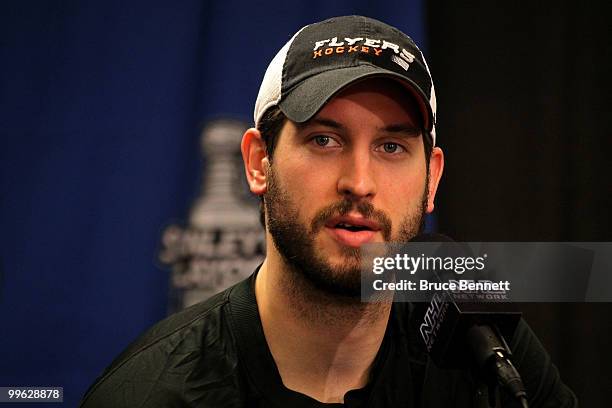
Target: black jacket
(214, 354)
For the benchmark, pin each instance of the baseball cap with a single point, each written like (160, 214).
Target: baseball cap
(323, 58)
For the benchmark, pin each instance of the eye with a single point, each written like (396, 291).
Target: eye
(391, 148)
(325, 141)
(321, 140)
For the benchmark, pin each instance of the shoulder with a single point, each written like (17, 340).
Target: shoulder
(542, 381)
(160, 367)
(540, 376)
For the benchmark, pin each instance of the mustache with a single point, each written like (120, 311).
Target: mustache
(343, 207)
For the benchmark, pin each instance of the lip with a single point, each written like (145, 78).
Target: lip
(353, 239)
(353, 220)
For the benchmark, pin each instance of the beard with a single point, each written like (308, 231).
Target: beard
(295, 241)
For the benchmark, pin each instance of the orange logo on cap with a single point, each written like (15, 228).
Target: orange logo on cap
(341, 50)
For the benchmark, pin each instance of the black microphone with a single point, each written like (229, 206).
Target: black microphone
(450, 327)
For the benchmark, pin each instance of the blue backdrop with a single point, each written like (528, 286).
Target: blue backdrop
(101, 107)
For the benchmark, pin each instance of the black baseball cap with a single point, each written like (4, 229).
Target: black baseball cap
(323, 58)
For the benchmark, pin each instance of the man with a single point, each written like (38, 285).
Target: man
(344, 153)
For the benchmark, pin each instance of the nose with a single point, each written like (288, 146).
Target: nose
(357, 180)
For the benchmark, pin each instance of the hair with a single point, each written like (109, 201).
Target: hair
(270, 126)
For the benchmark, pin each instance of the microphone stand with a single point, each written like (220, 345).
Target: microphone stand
(480, 333)
(492, 356)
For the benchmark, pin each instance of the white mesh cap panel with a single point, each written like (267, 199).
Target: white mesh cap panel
(434, 107)
(432, 103)
(270, 89)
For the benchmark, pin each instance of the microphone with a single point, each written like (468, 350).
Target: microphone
(449, 328)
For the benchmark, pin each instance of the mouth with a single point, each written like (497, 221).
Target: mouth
(352, 230)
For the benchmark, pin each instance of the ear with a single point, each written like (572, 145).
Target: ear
(255, 160)
(436, 166)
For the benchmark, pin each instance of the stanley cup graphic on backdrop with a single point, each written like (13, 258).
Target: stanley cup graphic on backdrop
(224, 241)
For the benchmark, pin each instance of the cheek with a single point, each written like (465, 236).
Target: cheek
(304, 174)
(402, 189)
(307, 188)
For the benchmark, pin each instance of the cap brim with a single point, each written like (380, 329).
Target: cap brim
(304, 101)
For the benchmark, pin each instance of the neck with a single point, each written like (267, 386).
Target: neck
(323, 345)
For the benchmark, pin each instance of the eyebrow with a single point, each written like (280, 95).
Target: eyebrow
(320, 121)
(403, 129)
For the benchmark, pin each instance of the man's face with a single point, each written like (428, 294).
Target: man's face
(356, 173)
